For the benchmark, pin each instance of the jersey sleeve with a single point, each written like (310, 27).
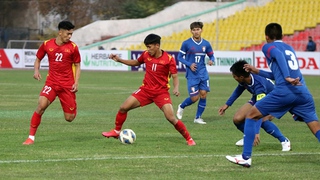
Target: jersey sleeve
(76, 55)
(182, 54)
(141, 57)
(41, 51)
(173, 65)
(210, 52)
(234, 96)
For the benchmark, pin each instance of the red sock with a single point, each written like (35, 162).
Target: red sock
(182, 130)
(120, 119)
(35, 122)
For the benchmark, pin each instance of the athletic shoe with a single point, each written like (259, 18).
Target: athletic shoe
(191, 142)
(240, 142)
(111, 133)
(179, 112)
(29, 141)
(286, 146)
(199, 121)
(237, 159)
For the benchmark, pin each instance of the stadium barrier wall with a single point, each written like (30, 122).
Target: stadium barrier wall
(98, 60)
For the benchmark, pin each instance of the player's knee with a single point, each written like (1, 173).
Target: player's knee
(69, 117)
(238, 119)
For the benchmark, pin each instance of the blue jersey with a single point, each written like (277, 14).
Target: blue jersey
(195, 52)
(259, 87)
(285, 97)
(282, 61)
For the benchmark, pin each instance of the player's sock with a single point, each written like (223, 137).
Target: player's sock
(258, 126)
(186, 102)
(318, 135)
(120, 119)
(182, 130)
(273, 130)
(34, 124)
(240, 126)
(249, 135)
(201, 107)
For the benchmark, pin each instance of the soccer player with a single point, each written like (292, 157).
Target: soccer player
(192, 54)
(160, 67)
(62, 79)
(259, 87)
(289, 94)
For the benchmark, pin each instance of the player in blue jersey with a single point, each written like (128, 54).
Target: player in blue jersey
(289, 94)
(192, 54)
(259, 87)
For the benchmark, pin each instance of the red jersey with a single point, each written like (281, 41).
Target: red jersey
(158, 71)
(61, 59)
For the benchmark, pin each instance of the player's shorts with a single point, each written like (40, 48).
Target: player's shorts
(146, 97)
(277, 104)
(66, 97)
(197, 84)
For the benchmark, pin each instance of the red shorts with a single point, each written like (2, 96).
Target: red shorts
(66, 97)
(146, 97)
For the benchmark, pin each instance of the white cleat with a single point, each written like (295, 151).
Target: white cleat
(286, 146)
(240, 142)
(199, 121)
(179, 112)
(237, 159)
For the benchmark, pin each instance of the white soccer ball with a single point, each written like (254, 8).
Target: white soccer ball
(127, 136)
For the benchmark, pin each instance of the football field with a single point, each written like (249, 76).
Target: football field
(77, 150)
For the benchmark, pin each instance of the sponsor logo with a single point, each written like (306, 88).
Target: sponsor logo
(16, 58)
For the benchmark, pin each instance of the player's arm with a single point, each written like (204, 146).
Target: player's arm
(254, 70)
(77, 71)
(124, 61)
(37, 74)
(234, 96)
(210, 54)
(175, 79)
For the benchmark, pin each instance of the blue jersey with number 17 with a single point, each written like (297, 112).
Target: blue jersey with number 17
(283, 63)
(195, 52)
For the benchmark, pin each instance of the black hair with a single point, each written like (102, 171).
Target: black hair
(67, 25)
(237, 68)
(152, 39)
(274, 31)
(196, 24)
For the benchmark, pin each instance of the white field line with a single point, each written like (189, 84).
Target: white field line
(139, 157)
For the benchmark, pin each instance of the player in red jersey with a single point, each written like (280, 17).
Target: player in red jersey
(160, 67)
(62, 79)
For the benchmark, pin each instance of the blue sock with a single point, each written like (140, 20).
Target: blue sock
(273, 130)
(186, 102)
(318, 135)
(240, 126)
(258, 126)
(201, 107)
(249, 135)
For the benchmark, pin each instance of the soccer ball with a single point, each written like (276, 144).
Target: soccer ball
(127, 136)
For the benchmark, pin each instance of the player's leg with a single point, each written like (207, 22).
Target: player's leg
(68, 104)
(137, 99)
(204, 88)
(163, 101)
(239, 119)
(270, 128)
(46, 97)
(193, 91)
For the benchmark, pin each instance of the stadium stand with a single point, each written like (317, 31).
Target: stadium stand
(243, 28)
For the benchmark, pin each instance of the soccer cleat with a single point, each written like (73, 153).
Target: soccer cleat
(240, 142)
(179, 112)
(191, 142)
(111, 133)
(29, 141)
(237, 159)
(199, 121)
(286, 146)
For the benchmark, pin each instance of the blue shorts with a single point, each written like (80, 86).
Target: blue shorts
(277, 104)
(197, 84)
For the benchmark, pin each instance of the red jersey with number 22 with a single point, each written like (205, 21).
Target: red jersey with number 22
(61, 59)
(158, 71)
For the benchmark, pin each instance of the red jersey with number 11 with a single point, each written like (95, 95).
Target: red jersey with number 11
(61, 59)
(158, 71)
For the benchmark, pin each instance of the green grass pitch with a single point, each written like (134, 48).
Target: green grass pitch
(77, 150)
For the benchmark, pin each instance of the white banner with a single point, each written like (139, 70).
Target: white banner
(98, 60)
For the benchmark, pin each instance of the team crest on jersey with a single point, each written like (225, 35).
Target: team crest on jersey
(203, 49)
(51, 49)
(67, 50)
(161, 62)
(149, 59)
(193, 89)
